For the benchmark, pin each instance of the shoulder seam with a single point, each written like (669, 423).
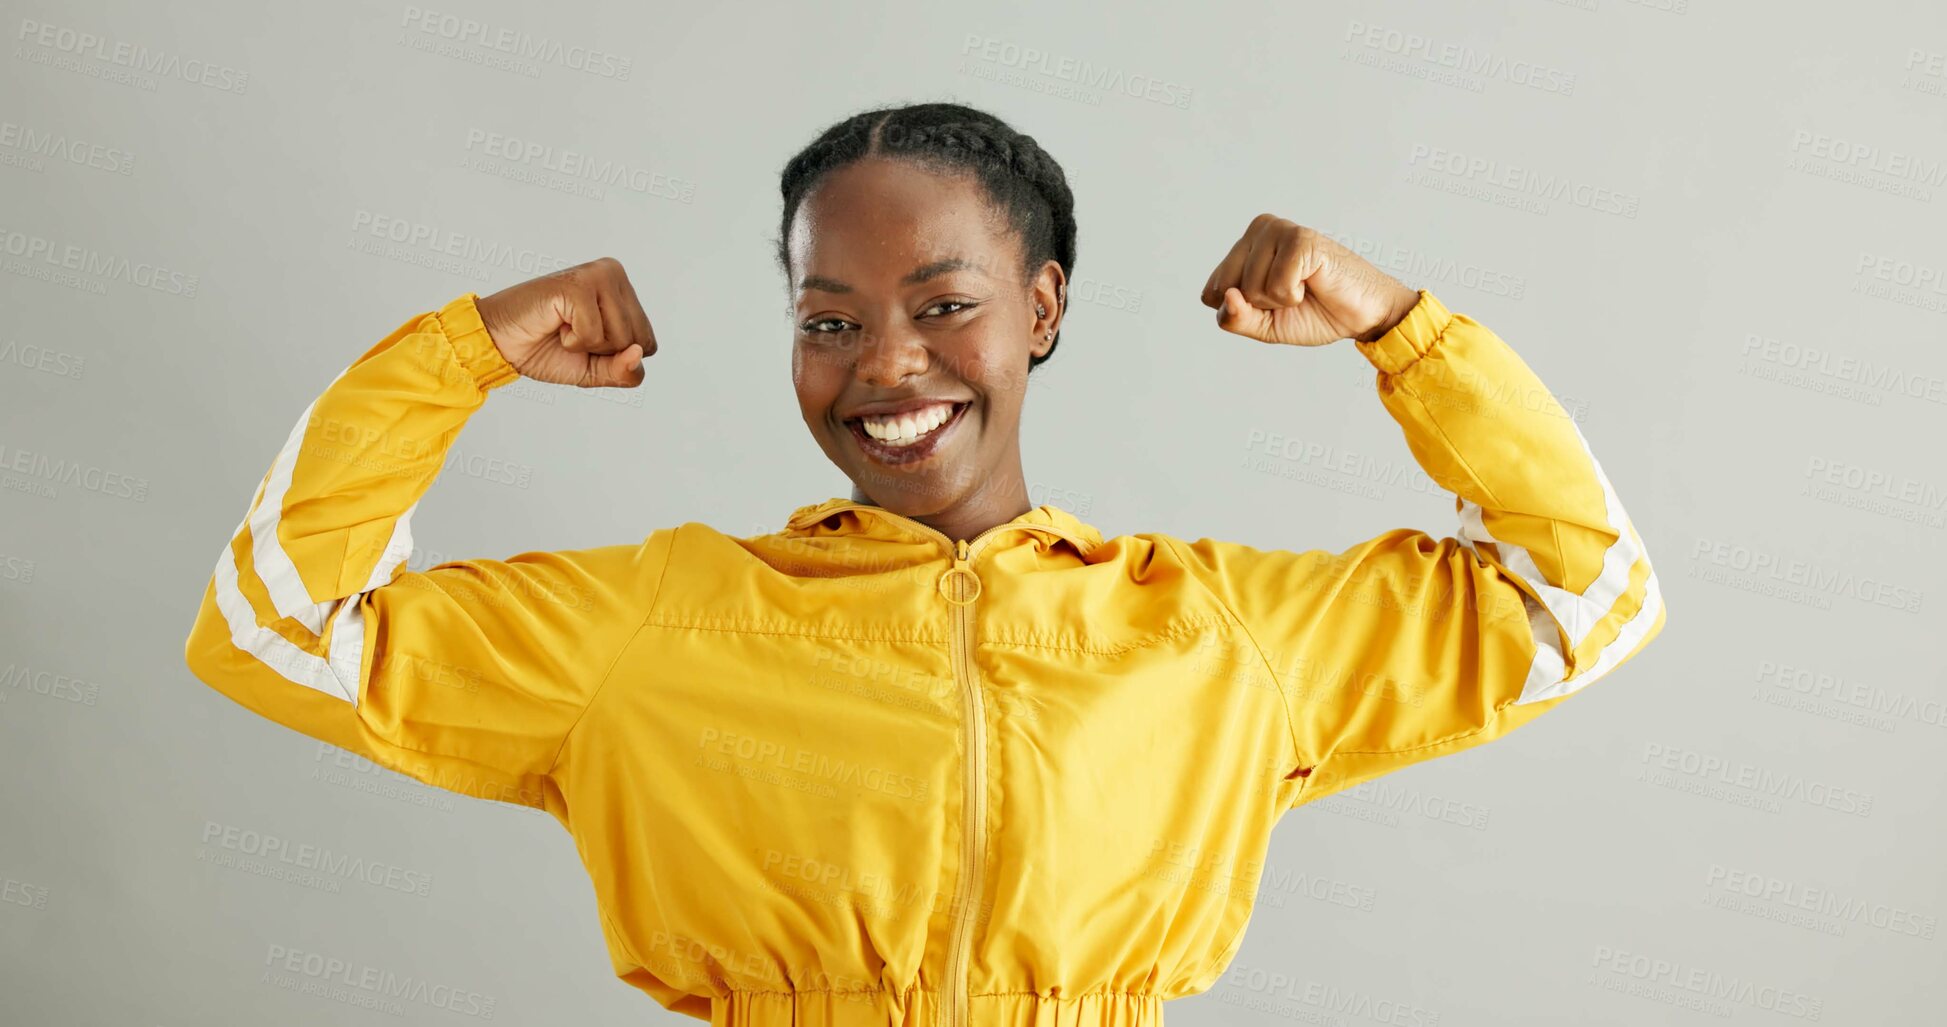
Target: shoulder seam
(601, 906)
(1284, 697)
(654, 594)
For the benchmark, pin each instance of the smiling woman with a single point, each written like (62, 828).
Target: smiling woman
(927, 250)
(928, 755)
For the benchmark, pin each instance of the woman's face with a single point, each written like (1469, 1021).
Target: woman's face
(912, 333)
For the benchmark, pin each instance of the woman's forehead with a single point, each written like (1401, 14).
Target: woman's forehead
(816, 281)
(846, 260)
(892, 216)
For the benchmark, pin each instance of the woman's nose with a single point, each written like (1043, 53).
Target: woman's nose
(889, 357)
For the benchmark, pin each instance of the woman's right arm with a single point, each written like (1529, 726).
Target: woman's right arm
(467, 676)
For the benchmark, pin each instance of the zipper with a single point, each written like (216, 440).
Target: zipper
(974, 823)
(973, 856)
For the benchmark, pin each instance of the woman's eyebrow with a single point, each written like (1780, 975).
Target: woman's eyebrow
(916, 276)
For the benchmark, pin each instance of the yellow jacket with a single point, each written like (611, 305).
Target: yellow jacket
(856, 772)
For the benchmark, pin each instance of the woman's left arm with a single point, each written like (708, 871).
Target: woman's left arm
(1406, 647)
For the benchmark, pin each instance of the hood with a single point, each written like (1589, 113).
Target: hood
(843, 516)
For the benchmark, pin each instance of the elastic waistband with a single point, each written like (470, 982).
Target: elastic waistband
(918, 1007)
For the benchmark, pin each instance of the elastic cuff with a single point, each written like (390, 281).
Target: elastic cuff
(1408, 341)
(460, 322)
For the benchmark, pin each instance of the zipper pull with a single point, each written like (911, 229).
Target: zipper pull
(962, 568)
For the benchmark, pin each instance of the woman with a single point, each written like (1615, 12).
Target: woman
(926, 754)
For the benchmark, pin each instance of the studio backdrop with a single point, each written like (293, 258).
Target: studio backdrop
(1712, 228)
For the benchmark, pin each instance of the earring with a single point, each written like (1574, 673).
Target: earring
(1050, 336)
(1040, 311)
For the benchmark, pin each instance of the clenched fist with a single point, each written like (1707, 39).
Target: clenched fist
(1285, 283)
(578, 326)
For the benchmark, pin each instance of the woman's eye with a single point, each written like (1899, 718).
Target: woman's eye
(835, 325)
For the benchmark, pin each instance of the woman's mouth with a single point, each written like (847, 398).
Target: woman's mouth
(908, 438)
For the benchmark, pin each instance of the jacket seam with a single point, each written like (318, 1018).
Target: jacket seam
(1181, 628)
(1379, 355)
(1410, 391)
(669, 557)
(1284, 697)
(1065, 996)
(494, 368)
(601, 906)
(824, 991)
(1554, 526)
(698, 626)
(1492, 717)
(1427, 412)
(485, 773)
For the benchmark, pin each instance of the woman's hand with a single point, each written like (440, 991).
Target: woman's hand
(1285, 283)
(578, 326)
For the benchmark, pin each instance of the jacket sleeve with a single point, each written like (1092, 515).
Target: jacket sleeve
(467, 676)
(1407, 647)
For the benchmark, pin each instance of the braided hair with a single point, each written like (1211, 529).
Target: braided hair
(1020, 177)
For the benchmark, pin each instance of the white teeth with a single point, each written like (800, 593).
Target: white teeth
(907, 428)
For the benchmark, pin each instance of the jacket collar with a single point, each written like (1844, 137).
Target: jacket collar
(855, 518)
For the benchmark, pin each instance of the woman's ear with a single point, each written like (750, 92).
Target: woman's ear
(1050, 303)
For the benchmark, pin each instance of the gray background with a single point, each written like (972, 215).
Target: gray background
(1744, 824)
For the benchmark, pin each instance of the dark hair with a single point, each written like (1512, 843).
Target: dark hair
(1020, 177)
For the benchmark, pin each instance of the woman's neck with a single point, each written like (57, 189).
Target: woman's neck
(973, 513)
